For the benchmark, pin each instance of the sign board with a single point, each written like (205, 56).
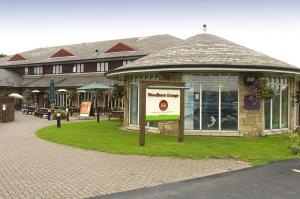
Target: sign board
(85, 109)
(162, 104)
(249, 105)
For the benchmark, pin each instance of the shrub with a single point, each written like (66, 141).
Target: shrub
(62, 116)
(294, 143)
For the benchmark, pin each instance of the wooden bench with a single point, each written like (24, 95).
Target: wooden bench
(116, 114)
(40, 112)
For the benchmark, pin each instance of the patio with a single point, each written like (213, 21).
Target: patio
(49, 170)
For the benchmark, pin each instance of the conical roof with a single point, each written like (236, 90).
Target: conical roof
(206, 50)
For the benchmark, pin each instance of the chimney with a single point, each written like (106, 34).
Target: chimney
(204, 28)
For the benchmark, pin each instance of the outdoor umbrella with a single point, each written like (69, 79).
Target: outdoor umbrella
(52, 92)
(16, 96)
(94, 87)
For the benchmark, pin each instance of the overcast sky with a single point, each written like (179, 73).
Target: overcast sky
(269, 26)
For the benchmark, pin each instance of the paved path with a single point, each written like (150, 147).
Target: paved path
(34, 168)
(274, 181)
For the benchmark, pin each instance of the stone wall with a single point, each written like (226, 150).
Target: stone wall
(251, 121)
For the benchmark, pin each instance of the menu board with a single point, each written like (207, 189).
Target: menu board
(85, 109)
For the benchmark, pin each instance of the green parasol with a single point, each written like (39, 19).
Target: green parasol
(52, 92)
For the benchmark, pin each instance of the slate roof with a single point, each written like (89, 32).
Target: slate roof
(66, 81)
(87, 51)
(205, 50)
(9, 78)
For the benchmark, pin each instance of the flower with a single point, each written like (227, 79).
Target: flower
(261, 91)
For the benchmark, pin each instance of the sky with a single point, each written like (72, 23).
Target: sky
(268, 26)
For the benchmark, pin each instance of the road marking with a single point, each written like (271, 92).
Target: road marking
(296, 170)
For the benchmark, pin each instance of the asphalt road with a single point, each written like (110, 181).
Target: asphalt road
(278, 180)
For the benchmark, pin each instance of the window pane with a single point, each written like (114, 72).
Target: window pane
(133, 104)
(192, 107)
(276, 108)
(82, 68)
(267, 109)
(210, 106)
(229, 106)
(284, 107)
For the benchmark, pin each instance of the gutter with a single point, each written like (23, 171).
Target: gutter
(203, 67)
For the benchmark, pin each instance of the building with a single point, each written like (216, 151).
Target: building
(217, 73)
(74, 66)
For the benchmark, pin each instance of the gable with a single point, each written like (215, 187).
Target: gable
(62, 53)
(120, 47)
(17, 57)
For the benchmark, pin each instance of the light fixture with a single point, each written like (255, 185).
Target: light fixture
(249, 80)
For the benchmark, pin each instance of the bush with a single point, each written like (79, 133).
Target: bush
(63, 115)
(294, 143)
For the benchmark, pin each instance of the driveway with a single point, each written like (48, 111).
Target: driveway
(34, 168)
(274, 181)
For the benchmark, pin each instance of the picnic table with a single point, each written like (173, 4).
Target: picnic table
(29, 109)
(40, 112)
(116, 114)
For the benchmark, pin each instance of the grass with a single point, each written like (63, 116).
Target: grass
(107, 137)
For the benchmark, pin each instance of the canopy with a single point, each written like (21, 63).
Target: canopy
(52, 91)
(16, 96)
(94, 86)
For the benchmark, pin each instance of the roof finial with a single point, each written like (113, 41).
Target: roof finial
(204, 28)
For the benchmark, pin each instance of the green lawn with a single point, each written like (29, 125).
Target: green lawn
(106, 136)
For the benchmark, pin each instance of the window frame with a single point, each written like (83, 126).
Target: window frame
(57, 69)
(102, 66)
(38, 70)
(78, 68)
(277, 81)
(217, 78)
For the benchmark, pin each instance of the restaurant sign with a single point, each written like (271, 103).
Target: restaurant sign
(162, 104)
(85, 109)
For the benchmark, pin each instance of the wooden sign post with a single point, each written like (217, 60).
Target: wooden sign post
(167, 85)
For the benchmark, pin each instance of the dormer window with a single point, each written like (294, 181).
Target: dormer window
(78, 68)
(38, 70)
(102, 66)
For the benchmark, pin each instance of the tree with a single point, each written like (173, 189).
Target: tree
(117, 91)
(2, 55)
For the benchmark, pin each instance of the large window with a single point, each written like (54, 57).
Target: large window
(26, 71)
(57, 69)
(78, 68)
(38, 70)
(134, 99)
(102, 66)
(126, 62)
(211, 102)
(276, 109)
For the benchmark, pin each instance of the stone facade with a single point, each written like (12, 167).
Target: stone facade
(251, 122)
